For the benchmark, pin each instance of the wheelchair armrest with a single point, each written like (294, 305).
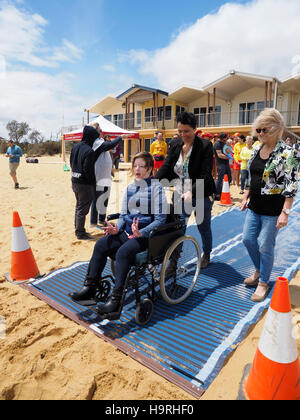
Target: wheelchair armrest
(173, 225)
(113, 216)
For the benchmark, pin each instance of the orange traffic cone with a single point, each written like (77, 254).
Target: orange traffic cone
(225, 197)
(275, 373)
(23, 265)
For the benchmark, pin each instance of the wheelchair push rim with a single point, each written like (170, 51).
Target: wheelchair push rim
(183, 260)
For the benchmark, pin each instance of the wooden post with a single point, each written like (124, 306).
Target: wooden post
(276, 94)
(63, 149)
(214, 108)
(133, 111)
(164, 114)
(208, 106)
(266, 94)
(270, 94)
(126, 114)
(126, 150)
(154, 111)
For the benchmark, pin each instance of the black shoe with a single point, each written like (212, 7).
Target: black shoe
(17, 186)
(205, 260)
(113, 303)
(87, 292)
(85, 237)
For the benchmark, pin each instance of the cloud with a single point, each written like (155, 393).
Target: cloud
(28, 92)
(67, 52)
(261, 36)
(39, 99)
(109, 68)
(22, 40)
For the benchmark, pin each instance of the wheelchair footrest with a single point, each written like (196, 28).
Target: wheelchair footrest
(112, 316)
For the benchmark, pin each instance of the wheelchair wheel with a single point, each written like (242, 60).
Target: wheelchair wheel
(103, 290)
(144, 312)
(180, 270)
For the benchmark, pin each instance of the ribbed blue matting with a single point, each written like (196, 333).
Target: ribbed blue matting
(187, 343)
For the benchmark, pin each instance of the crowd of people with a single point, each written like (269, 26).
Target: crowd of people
(262, 164)
(265, 165)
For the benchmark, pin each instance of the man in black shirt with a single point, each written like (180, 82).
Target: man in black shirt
(222, 162)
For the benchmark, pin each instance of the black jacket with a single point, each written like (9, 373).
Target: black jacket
(200, 164)
(83, 157)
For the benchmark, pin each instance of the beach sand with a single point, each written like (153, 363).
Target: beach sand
(44, 354)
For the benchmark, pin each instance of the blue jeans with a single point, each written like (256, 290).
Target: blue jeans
(259, 238)
(205, 227)
(244, 176)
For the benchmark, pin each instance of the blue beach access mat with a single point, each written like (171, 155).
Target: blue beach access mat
(189, 342)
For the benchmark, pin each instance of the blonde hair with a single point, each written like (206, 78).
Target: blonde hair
(95, 124)
(269, 118)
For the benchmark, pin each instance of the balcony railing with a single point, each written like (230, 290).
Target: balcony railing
(204, 121)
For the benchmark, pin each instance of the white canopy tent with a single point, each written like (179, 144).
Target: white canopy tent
(106, 126)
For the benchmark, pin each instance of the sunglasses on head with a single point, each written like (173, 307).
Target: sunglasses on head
(264, 130)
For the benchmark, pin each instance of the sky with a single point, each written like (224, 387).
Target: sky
(59, 57)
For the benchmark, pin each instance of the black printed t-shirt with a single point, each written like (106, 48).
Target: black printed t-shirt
(265, 205)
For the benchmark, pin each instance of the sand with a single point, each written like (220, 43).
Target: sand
(44, 354)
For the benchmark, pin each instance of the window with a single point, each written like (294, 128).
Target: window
(246, 113)
(119, 120)
(148, 114)
(147, 145)
(108, 117)
(249, 111)
(179, 109)
(168, 113)
(139, 118)
(131, 118)
(213, 119)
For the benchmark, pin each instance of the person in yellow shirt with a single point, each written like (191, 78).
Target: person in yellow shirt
(159, 150)
(245, 156)
(240, 143)
(256, 142)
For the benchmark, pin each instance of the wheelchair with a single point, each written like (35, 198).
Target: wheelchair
(168, 268)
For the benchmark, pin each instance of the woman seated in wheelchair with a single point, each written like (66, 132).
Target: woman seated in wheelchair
(129, 237)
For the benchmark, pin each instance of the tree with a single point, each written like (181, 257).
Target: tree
(17, 130)
(35, 136)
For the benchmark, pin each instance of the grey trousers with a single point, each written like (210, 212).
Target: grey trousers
(84, 197)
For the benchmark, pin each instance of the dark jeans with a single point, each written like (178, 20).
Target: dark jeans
(116, 162)
(244, 176)
(98, 206)
(204, 228)
(222, 171)
(126, 251)
(84, 196)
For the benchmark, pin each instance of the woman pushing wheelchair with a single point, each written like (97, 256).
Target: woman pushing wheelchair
(142, 211)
